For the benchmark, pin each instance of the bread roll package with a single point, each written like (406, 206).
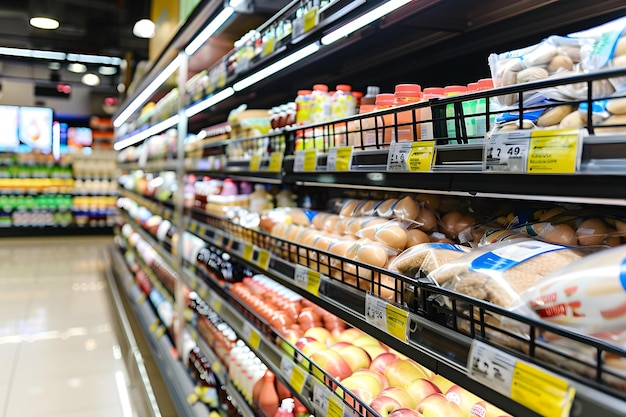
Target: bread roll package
(588, 295)
(424, 258)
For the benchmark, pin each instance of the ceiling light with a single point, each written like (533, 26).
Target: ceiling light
(276, 66)
(90, 79)
(209, 30)
(42, 22)
(364, 20)
(76, 67)
(144, 28)
(54, 66)
(104, 70)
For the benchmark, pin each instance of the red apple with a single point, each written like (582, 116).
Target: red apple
(382, 362)
(381, 378)
(421, 388)
(332, 362)
(363, 382)
(462, 397)
(384, 405)
(309, 346)
(350, 334)
(405, 412)
(401, 372)
(374, 350)
(401, 396)
(355, 356)
(339, 345)
(437, 405)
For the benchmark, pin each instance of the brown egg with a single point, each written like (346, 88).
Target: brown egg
(406, 209)
(560, 234)
(385, 209)
(427, 219)
(430, 201)
(454, 222)
(591, 232)
(439, 238)
(392, 236)
(415, 237)
(374, 255)
(348, 208)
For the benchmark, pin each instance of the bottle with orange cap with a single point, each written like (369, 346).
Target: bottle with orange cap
(451, 91)
(469, 109)
(385, 123)
(481, 108)
(407, 121)
(426, 113)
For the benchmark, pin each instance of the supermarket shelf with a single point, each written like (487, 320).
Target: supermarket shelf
(150, 166)
(174, 373)
(41, 231)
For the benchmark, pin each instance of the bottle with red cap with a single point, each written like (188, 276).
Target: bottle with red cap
(469, 109)
(342, 106)
(385, 122)
(452, 91)
(481, 108)
(426, 113)
(407, 121)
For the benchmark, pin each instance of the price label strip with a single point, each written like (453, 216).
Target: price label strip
(335, 407)
(269, 46)
(539, 390)
(555, 151)
(506, 152)
(217, 306)
(307, 279)
(294, 374)
(339, 159)
(420, 157)
(248, 252)
(251, 336)
(276, 162)
(263, 259)
(306, 161)
(386, 317)
(320, 397)
(297, 26)
(397, 321)
(310, 19)
(255, 162)
(376, 312)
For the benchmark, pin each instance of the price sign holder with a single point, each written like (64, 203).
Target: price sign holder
(293, 373)
(411, 156)
(263, 259)
(375, 311)
(269, 46)
(305, 161)
(248, 252)
(320, 397)
(255, 163)
(252, 336)
(397, 321)
(339, 159)
(276, 162)
(527, 384)
(387, 317)
(307, 279)
(335, 407)
(310, 19)
(555, 151)
(506, 152)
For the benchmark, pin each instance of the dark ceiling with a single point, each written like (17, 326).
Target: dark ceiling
(101, 27)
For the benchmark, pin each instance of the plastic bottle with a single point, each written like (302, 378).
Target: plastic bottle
(407, 94)
(268, 398)
(286, 198)
(304, 105)
(481, 108)
(426, 114)
(320, 111)
(260, 199)
(360, 132)
(385, 133)
(343, 103)
(451, 91)
(229, 188)
(469, 109)
(286, 408)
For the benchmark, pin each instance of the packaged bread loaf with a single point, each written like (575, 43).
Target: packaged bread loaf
(424, 258)
(501, 272)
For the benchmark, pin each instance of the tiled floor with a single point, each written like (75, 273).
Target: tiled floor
(59, 356)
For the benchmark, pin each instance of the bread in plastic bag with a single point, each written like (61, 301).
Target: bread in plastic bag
(422, 259)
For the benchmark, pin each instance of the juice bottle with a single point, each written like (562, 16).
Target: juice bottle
(385, 124)
(469, 108)
(426, 113)
(304, 104)
(342, 106)
(481, 108)
(407, 123)
(320, 111)
(363, 128)
(451, 91)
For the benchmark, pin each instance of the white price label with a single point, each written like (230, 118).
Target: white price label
(491, 367)
(298, 163)
(286, 367)
(301, 276)
(320, 397)
(307, 279)
(339, 159)
(398, 157)
(376, 312)
(297, 27)
(506, 152)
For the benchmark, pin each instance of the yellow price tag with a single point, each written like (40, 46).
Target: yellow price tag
(217, 307)
(201, 230)
(255, 162)
(298, 379)
(193, 227)
(335, 408)
(141, 298)
(344, 158)
(310, 160)
(264, 259)
(420, 158)
(154, 326)
(554, 151)
(248, 252)
(192, 399)
(202, 292)
(193, 334)
(541, 391)
(310, 19)
(269, 45)
(397, 321)
(254, 340)
(313, 282)
(160, 332)
(276, 162)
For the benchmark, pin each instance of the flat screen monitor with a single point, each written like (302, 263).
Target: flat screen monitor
(24, 129)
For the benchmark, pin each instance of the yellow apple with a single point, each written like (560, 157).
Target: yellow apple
(355, 356)
(437, 405)
(332, 362)
(349, 335)
(374, 350)
(420, 389)
(381, 378)
(400, 395)
(403, 371)
(366, 339)
(384, 405)
(462, 397)
(441, 382)
(363, 382)
(382, 362)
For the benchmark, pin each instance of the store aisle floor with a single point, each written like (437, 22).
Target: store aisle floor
(59, 355)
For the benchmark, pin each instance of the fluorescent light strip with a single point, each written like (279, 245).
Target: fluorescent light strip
(147, 92)
(364, 20)
(277, 66)
(211, 101)
(209, 30)
(32, 53)
(94, 59)
(145, 134)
